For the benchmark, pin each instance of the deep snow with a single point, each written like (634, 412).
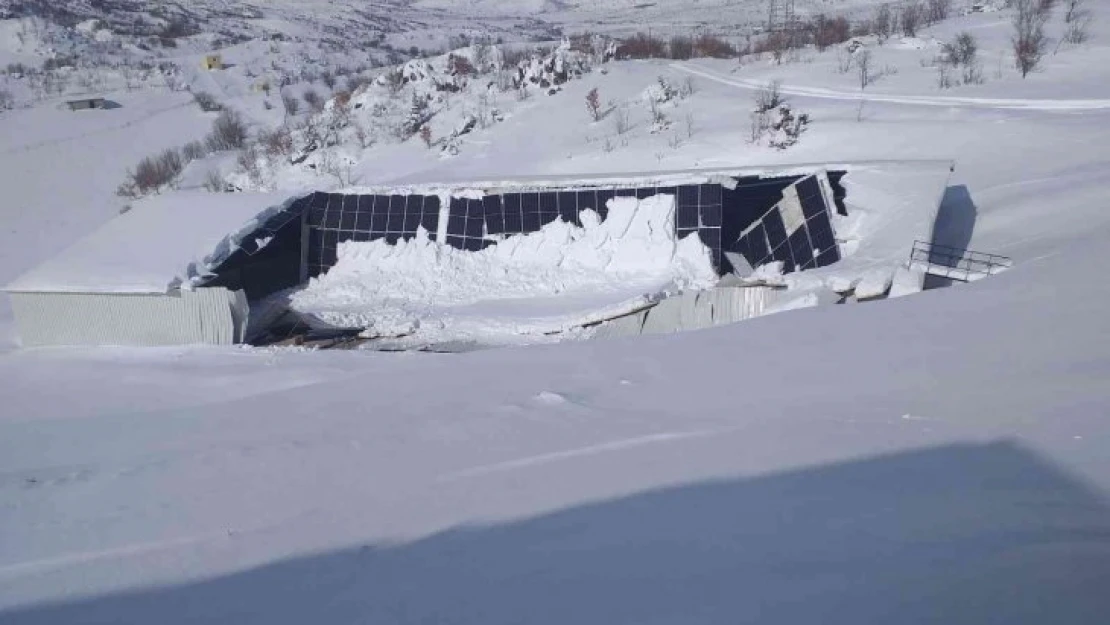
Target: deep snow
(933, 458)
(557, 279)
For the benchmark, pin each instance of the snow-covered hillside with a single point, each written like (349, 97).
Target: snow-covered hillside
(934, 458)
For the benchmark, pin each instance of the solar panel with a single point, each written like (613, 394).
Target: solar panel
(603, 197)
(710, 194)
(800, 247)
(530, 203)
(776, 230)
(549, 207)
(711, 215)
(317, 206)
(687, 195)
(686, 216)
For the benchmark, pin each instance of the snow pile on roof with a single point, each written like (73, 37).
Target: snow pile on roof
(162, 243)
(556, 279)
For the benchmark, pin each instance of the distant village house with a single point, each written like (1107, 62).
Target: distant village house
(86, 103)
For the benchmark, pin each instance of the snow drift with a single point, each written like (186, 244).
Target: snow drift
(556, 279)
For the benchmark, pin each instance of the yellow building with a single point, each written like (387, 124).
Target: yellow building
(212, 61)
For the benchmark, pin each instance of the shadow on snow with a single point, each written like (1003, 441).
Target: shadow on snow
(955, 534)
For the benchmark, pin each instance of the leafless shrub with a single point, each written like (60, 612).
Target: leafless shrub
(1077, 22)
(962, 50)
(1078, 31)
(863, 69)
(937, 10)
(313, 99)
(844, 61)
(7, 101)
(342, 169)
(214, 181)
(1029, 40)
(248, 163)
(777, 44)
(278, 142)
(194, 150)
(328, 78)
(621, 123)
(691, 125)
(207, 102)
(769, 96)
(152, 174)
(291, 105)
(882, 25)
(642, 46)
(681, 48)
(426, 136)
(913, 15)
(944, 76)
(593, 104)
(711, 46)
(229, 132)
(829, 32)
(687, 88)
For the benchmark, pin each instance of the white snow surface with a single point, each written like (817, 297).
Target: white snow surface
(935, 458)
(556, 279)
(163, 242)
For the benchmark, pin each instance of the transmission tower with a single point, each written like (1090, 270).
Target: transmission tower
(781, 15)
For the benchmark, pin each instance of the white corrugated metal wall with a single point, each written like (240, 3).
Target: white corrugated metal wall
(212, 316)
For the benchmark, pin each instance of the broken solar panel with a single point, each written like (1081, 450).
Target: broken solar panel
(781, 218)
(797, 231)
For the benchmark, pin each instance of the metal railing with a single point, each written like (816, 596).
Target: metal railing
(956, 263)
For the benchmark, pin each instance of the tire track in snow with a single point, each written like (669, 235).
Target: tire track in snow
(1062, 106)
(592, 450)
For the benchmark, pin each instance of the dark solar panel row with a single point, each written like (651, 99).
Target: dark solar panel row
(377, 214)
(335, 218)
(474, 224)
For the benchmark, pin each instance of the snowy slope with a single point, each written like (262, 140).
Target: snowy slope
(934, 458)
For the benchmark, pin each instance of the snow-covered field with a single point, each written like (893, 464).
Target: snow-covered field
(934, 458)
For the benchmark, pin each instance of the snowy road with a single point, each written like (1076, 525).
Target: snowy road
(1063, 106)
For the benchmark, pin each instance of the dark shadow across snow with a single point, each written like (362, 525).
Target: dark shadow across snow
(956, 534)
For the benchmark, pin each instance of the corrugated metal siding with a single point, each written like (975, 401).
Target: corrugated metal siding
(213, 316)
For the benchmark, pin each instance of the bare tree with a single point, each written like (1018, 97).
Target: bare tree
(152, 174)
(620, 120)
(6, 100)
(207, 102)
(593, 104)
(863, 69)
(938, 10)
(229, 132)
(291, 105)
(1029, 40)
(214, 181)
(912, 16)
(769, 96)
(883, 22)
(1077, 22)
(194, 150)
(426, 136)
(313, 99)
